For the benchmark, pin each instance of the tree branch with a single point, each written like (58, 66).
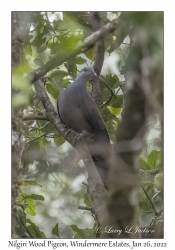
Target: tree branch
(88, 43)
(96, 94)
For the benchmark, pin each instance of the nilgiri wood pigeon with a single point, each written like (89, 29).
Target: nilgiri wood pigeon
(78, 111)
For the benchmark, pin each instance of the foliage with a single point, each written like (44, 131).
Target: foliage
(153, 184)
(84, 233)
(28, 206)
(55, 230)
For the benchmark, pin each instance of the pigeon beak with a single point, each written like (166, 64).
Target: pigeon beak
(94, 74)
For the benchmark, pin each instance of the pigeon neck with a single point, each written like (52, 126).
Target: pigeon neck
(81, 83)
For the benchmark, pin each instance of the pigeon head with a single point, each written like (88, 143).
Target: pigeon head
(86, 73)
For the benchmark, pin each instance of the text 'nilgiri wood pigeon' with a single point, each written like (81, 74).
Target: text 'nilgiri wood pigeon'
(78, 111)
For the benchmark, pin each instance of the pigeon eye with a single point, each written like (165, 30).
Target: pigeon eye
(85, 70)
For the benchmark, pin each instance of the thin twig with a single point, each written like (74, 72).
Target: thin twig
(126, 43)
(50, 27)
(72, 67)
(109, 88)
(150, 172)
(109, 99)
(36, 138)
(148, 212)
(29, 118)
(85, 208)
(53, 136)
(26, 227)
(88, 43)
(45, 125)
(84, 183)
(149, 200)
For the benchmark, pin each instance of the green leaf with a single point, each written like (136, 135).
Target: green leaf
(59, 74)
(59, 140)
(146, 178)
(21, 97)
(71, 67)
(41, 48)
(43, 142)
(36, 197)
(22, 215)
(68, 43)
(106, 114)
(80, 60)
(87, 200)
(108, 40)
(38, 40)
(34, 230)
(31, 206)
(29, 183)
(20, 100)
(55, 230)
(111, 126)
(152, 162)
(20, 223)
(70, 22)
(28, 201)
(158, 181)
(22, 70)
(154, 159)
(117, 102)
(111, 80)
(65, 83)
(28, 50)
(19, 83)
(38, 62)
(52, 90)
(144, 203)
(84, 233)
(143, 164)
(114, 111)
(91, 53)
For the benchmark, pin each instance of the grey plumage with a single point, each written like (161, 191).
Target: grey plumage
(79, 111)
